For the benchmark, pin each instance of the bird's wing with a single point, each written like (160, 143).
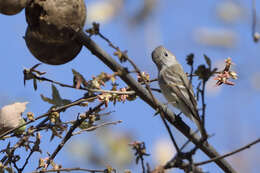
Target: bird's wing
(174, 77)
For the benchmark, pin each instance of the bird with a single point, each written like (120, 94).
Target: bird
(175, 85)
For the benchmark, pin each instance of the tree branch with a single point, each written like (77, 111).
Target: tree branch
(70, 132)
(145, 96)
(229, 154)
(69, 170)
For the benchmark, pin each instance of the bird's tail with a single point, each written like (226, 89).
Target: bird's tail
(199, 126)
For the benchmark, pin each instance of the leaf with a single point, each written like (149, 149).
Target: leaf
(35, 66)
(34, 84)
(78, 79)
(189, 59)
(56, 99)
(208, 61)
(55, 93)
(214, 71)
(46, 99)
(32, 73)
(203, 72)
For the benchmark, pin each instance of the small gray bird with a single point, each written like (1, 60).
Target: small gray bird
(175, 85)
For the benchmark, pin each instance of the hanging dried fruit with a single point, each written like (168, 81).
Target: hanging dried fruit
(51, 27)
(52, 52)
(12, 7)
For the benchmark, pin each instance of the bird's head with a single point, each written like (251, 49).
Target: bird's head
(163, 58)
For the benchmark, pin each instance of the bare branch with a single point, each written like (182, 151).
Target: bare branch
(47, 114)
(97, 126)
(70, 132)
(144, 95)
(229, 154)
(69, 170)
(146, 83)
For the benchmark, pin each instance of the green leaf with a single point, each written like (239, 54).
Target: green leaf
(46, 99)
(56, 99)
(55, 94)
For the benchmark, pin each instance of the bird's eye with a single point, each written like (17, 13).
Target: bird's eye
(165, 54)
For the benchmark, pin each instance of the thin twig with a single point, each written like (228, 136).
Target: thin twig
(255, 38)
(70, 132)
(142, 163)
(61, 108)
(27, 160)
(10, 152)
(96, 127)
(187, 142)
(85, 89)
(145, 82)
(229, 154)
(171, 135)
(69, 170)
(145, 96)
(191, 72)
(203, 104)
(156, 90)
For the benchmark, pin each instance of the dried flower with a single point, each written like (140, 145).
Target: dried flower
(143, 77)
(122, 97)
(30, 116)
(10, 116)
(140, 150)
(224, 76)
(94, 30)
(122, 56)
(104, 97)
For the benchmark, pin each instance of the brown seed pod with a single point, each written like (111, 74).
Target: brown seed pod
(51, 27)
(12, 7)
(54, 52)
